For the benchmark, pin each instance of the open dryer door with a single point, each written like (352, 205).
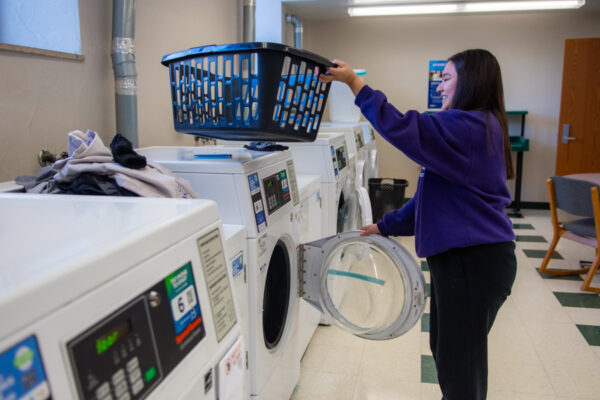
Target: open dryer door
(355, 212)
(370, 286)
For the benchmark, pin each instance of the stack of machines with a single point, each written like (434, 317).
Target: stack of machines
(204, 299)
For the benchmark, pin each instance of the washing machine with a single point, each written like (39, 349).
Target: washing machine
(344, 207)
(116, 298)
(259, 191)
(372, 163)
(367, 164)
(356, 146)
(307, 220)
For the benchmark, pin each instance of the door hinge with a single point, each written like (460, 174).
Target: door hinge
(301, 262)
(245, 268)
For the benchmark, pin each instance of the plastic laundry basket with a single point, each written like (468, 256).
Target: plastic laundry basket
(386, 194)
(248, 91)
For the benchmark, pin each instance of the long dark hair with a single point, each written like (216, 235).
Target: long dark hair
(479, 87)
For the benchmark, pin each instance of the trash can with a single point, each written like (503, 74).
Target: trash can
(386, 194)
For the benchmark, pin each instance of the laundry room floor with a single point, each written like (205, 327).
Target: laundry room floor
(544, 345)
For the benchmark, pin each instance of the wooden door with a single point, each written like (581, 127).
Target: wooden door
(580, 109)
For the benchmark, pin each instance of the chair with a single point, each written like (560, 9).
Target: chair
(596, 263)
(573, 196)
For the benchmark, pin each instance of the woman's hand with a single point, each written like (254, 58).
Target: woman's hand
(343, 73)
(369, 230)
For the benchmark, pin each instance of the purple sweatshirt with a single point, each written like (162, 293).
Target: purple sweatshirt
(462, 193)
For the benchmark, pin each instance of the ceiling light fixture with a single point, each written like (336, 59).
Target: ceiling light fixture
(447, 8)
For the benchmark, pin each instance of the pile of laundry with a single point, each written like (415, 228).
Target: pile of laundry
(94, 169)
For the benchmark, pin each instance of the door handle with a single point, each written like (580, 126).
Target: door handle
(566, 129)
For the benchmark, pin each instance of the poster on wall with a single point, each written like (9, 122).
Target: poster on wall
(434, 99)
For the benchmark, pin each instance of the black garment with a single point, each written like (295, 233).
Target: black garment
(468, 286)
(92, 184)
(124, 154)
(265, 146)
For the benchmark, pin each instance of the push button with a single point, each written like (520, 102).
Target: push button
(121, 389)
(103, 390)
(135, 375)
(126, 396)
(132, 364)
(137, 387)
(118, 377)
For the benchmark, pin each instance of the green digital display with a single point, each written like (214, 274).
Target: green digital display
(112, 336)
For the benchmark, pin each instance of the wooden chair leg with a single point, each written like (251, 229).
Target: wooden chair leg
(588, 279)
(556, 271)
(548, 256)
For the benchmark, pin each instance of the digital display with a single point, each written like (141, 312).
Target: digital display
(112, 336)
(340, 153)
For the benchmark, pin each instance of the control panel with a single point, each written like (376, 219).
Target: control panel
(277, 190)
(125, 355)
(340, 153)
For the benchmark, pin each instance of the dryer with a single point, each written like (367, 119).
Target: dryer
(259, 191)
(367, 164)
(356, 145)
(308, 223)
(344, 208)
(116, 298)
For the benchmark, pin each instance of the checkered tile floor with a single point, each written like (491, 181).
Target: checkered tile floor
(545, 343)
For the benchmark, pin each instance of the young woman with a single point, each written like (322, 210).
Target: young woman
(457, 214)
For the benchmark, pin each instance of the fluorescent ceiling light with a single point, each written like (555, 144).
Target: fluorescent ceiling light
(446, 8)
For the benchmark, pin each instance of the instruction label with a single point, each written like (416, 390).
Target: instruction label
(217, 282)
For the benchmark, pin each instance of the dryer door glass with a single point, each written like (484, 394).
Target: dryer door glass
(370, 286)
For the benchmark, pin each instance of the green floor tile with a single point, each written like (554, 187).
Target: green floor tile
(530, 238)
(424, 266)
(425, 323)
(541, 254)
(561, 277)
(591, 334)
(514, 215)
(428, 371)
(578, 300)
(522, 226)
(428, 290)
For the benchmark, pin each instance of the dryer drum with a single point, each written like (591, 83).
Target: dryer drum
(276, 296)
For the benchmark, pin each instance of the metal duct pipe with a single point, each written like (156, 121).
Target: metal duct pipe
(249, 21)
(298, 29)
(123, 59)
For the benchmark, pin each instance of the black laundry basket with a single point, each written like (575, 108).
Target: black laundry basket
(386, 194)
(248, 91)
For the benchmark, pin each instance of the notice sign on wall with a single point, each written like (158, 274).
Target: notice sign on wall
(434, 99)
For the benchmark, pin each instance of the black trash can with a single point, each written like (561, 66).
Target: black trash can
(386, 194)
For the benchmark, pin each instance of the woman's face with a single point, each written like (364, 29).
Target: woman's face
(448, 85)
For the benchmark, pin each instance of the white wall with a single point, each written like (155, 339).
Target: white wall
(529, 47)
(164, 27)
(42, 98)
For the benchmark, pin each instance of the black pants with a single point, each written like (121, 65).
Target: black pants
(468, 286)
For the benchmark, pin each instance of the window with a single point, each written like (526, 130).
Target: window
(41, 26)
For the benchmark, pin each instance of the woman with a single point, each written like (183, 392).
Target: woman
(457, 214)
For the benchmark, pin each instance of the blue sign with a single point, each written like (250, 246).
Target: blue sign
(434, 99)
(237, 265)
(22, 373)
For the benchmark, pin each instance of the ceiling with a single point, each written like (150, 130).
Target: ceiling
(336, 9)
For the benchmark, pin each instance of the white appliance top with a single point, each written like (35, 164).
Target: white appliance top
(54, 248)
(212, 159)
(308, 184)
